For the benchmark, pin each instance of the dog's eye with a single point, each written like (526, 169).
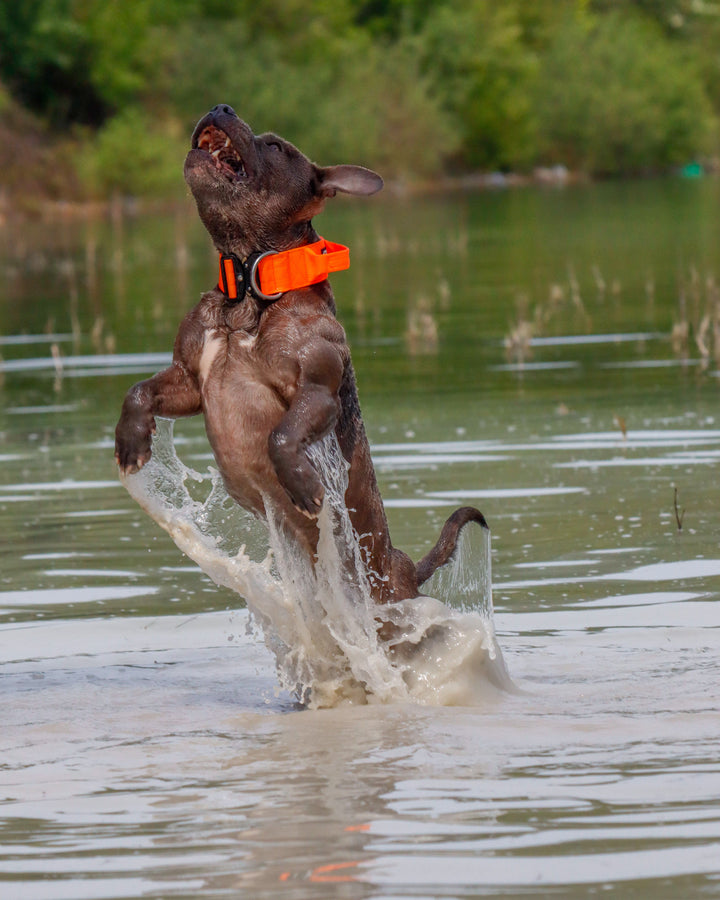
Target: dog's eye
(274, 145)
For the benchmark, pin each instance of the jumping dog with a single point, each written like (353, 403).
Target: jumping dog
(263, 357)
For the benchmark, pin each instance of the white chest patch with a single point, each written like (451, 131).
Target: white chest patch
(212, 344)
(244, 340)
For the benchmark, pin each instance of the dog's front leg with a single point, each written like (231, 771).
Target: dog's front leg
(173, 392)
(311, 415)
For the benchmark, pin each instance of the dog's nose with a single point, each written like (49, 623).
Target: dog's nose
(224, 108)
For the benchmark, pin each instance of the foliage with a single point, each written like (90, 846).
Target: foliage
(605, 108)
(134, 153)
(356, 102)
(392, 18)
(412, 87)
(80, 61)
(485, 83)
(44, 59)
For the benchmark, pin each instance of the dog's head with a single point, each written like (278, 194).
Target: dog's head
(258, 192)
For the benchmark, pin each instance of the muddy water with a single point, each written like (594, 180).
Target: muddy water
(548, 357)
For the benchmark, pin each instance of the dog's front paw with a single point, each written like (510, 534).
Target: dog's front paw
(133, 447)
(306, 493)
(301, 483)
(310, 504)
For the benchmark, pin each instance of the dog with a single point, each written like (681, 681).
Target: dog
(263, 357)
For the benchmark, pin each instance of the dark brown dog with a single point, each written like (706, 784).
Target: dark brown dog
(272, 374)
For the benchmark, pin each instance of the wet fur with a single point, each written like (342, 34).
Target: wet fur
(272, 379)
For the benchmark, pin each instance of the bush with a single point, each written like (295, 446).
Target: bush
(357, 101)
(135, 153)
(483, 72)
(615, 95)
(409, 87)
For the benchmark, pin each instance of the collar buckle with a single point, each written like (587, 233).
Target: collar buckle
(253, 287)
(232, 281)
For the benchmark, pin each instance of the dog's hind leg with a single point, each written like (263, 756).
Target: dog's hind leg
(447, 542)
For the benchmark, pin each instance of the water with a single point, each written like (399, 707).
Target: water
(148, 748)
(320, 621)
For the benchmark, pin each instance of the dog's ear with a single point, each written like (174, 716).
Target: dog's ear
(350, 180)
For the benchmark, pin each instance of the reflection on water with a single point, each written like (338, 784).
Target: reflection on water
(145, 748)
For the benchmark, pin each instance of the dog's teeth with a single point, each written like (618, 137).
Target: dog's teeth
(227, 141)
(215, 153)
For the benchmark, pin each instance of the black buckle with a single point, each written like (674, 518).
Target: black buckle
(246, 278)
(240, 286)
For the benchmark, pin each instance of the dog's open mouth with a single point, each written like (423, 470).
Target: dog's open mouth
(218, 145)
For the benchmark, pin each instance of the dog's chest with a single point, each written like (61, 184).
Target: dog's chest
(221, 350)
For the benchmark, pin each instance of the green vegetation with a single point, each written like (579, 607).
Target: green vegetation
(605, 107)
(411, 87)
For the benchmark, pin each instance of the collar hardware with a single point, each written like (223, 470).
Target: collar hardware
(267, 275)
(253, 265)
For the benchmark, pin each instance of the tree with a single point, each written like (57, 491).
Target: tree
(615, 95)
(354, 100)
(482, 71)
(80, 61)
(45, 59)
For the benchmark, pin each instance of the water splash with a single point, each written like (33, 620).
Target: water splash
(320, 621)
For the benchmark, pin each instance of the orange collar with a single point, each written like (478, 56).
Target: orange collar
(267, 276)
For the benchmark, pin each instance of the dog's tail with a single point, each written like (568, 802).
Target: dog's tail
(447, 542)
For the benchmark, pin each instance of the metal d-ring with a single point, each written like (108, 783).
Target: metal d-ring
(253, 275)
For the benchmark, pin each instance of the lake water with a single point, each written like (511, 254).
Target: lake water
(550, 356)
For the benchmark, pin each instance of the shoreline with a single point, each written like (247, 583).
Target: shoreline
(38, 207)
